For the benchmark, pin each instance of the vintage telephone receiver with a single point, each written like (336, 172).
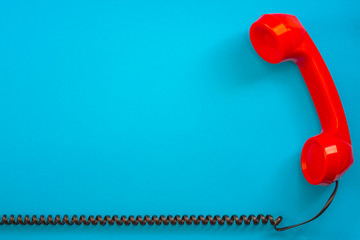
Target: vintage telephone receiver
(281, 37)
(324, 159)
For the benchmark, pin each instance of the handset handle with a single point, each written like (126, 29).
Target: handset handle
(322, 90)
(281, 37)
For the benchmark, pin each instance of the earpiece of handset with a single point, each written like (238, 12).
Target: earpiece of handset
(281, 37)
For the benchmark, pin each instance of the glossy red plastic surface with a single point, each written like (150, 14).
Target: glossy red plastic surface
(281, 37)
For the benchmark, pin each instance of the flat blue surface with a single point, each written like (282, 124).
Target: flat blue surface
(163, 107)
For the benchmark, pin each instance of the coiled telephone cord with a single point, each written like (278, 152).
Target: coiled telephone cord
(151, 220)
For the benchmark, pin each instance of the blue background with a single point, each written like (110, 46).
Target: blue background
(163, 107)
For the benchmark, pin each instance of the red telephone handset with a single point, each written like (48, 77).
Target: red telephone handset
(281, 37)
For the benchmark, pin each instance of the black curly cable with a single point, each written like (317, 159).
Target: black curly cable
(151, 220)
